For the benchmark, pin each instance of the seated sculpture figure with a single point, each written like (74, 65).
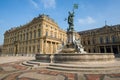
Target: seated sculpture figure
(78, 46)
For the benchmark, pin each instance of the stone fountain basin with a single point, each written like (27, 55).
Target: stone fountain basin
(76, 58)
(81, 58)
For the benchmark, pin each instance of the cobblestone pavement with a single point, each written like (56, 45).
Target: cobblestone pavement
(13, 70)
(16, 71)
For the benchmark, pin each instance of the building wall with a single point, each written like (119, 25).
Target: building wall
(102, 40)
(41, 35)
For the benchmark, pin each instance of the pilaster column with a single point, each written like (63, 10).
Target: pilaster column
(41, 46)
(45, 47)
(55, 47)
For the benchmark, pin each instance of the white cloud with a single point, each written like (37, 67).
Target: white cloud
(35, 4)
(49, 3)
(87, 20)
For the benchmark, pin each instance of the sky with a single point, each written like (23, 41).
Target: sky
(90, 14)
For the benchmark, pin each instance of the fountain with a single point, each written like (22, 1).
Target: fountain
(72, 57)
(73, 52)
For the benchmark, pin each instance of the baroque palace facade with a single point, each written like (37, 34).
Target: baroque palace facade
(102, 40)
(41, 35)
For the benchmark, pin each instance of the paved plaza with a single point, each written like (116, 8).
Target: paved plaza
(11, 69)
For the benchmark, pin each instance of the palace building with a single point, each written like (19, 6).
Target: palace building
(41, 35)
(102, 40)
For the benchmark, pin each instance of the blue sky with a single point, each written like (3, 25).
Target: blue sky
(90, 14)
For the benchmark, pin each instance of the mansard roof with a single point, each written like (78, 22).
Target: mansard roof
(104, 29)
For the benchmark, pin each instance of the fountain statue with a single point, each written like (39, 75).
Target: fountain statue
(73, 45)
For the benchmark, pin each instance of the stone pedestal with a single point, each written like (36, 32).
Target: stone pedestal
(70, 39)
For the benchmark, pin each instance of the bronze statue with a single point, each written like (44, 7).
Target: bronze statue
(70, 20)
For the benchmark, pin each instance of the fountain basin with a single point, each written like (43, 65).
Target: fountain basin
(81, 58)
(76, 58)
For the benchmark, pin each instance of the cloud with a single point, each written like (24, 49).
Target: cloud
(35, 4)
(87, 20)
(49, 3)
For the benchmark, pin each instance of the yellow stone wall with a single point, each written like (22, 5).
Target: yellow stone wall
(41, 35)
(102, 40)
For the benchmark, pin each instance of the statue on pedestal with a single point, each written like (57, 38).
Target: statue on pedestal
(71, 18)
(70, 21)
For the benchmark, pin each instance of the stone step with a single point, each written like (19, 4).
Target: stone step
(38, 63)
(86, 66)
(35, 64)
(83, 70)
(27, 64)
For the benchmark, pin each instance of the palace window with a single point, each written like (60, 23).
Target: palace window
(33, 48)
(101, 40)
(29, 48)
(113, 39)
(23, 36)
(93, 41)
(26, 36)
(39, 33)
(107, 39)
(34, 34)
(84, 43)
(88, 41)
(30, 35)
(46, 33)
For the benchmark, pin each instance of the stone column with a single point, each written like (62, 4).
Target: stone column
(104, 49)
(111, 49)
(98, 49)
(118, 49)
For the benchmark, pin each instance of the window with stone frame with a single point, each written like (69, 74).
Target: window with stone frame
(30, 35)
(26, 36)
(101, 40)
(113, 39)
(29, 48)
(107, 39)
(34, 34)
(39, 32)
